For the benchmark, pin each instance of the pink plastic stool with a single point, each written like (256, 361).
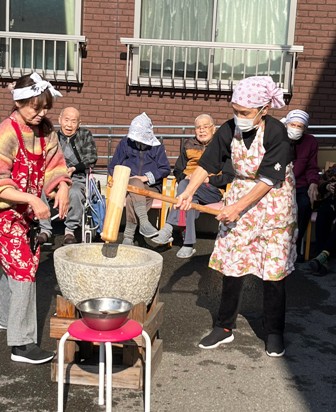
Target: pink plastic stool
(129, 330)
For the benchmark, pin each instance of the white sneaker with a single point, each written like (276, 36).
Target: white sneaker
(185, 252)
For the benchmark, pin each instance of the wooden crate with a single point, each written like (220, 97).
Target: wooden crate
(81, 358)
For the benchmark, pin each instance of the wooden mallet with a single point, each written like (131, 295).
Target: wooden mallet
(116, 201)
(115, 206)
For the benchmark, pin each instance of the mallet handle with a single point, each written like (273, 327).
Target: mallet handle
(169, 199)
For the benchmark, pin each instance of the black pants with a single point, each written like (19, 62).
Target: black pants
(324, 229)
(274, 304)
(304, 214)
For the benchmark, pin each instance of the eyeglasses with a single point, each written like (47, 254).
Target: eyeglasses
(205, 127)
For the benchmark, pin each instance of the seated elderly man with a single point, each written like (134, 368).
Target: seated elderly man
(210, 191)
(80, 154)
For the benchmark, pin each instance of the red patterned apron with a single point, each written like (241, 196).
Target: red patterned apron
(16, 258)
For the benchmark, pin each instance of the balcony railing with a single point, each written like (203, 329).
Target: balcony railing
(206, 66)
(108, 136)
(57, 57)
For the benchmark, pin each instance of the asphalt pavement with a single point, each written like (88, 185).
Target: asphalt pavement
(238, 376)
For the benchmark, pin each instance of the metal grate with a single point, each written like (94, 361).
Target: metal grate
(208, 66)
(56, 57)
(108, 136)
(2, 54)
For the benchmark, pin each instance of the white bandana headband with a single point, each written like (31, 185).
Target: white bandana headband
(36, 89)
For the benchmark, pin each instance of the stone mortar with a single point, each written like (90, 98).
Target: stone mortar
(83, 272)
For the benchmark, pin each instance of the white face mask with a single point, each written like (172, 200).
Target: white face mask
(246, 125)
(294, 133)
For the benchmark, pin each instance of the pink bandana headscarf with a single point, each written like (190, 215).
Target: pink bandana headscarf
(257, 91)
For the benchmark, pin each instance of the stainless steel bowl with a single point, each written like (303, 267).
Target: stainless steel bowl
(104, 313)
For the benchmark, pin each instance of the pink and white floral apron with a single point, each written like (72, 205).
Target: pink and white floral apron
(262, 241)
(16, 257)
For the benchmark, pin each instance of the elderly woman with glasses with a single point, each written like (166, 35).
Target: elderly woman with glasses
(257, 230)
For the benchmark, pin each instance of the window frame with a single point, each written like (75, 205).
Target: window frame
(291, 20)
(77, 41)
(133, 56)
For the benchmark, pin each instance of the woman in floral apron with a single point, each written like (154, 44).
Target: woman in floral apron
(258, 220)
(30, 159)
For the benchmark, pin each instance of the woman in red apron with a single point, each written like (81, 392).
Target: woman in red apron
(30, 160)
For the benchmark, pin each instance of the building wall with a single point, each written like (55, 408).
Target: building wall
(103, 98)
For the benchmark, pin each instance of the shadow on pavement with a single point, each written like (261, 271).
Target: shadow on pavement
(189, 378)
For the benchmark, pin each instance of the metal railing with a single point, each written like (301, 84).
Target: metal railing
(57, 57)
(108, 136)
(211, 66)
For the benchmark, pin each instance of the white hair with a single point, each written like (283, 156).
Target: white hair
(204, 116)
